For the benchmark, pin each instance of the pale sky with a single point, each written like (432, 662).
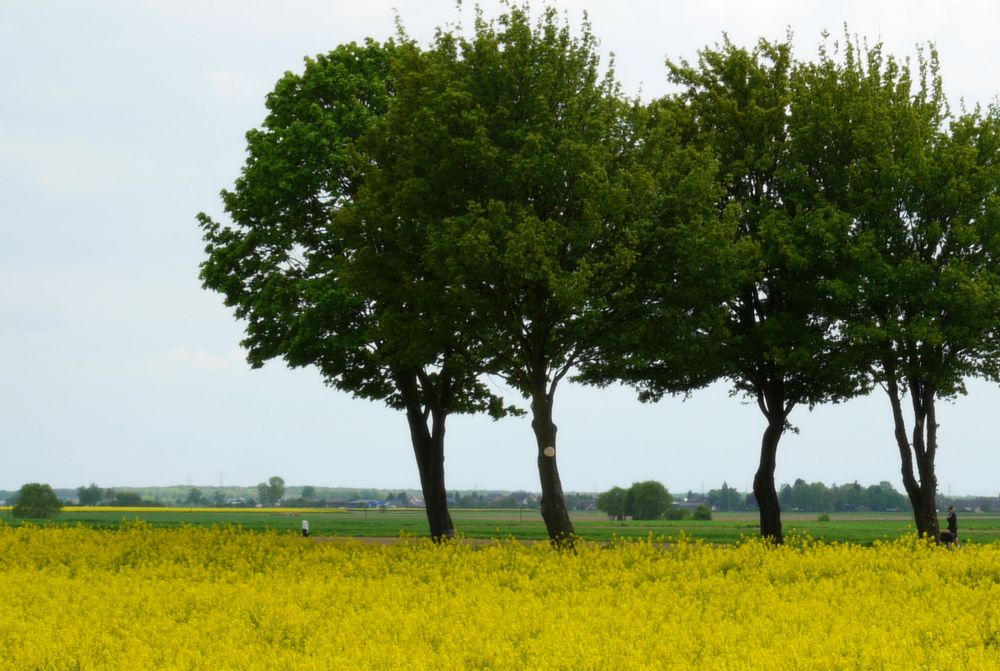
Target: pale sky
(121, 120)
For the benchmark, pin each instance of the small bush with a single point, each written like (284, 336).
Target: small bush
(823, 518)
(675, 513)
(702, 513)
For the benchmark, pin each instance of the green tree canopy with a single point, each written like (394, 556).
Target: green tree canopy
(775, 341)
(272, 491)
(921, 188)
(726, 498)
(90, 495)
(647, 500)
(316, 279)
(524, 156)
(36, 500)
(612, 502)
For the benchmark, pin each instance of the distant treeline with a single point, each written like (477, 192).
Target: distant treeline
(813, 497)
(310, 496)
(818, 497)
(799, 496)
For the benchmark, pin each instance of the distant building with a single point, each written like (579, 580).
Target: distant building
(365, 503)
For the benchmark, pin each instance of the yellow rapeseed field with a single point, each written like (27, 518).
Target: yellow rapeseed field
(219, 598)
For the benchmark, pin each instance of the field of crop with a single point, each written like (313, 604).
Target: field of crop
(521, 524)
(137, 597)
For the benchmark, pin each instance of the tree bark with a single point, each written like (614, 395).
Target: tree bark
(763, 484)
(553, 505)
(772, 404)
(921, 487)
(428, 448)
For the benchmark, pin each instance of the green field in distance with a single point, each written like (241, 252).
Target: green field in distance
(522, 524)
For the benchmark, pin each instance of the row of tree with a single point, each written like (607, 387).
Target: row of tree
(650, 500)
(815, 496)
(92, 495)
(410, 220)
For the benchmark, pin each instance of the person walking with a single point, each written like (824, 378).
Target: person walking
(305, 528)
(951, 536)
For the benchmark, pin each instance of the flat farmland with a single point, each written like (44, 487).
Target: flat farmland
(525, 524)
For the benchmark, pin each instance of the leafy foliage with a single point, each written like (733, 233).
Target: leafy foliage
(511, 146)
(36, 500)
(921, 188)
(272, 491)
(612, 502)
(647, 500)
(90, 495)
(817, 497)
(702, 512)
(323, 277)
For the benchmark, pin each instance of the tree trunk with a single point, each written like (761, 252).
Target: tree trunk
(772, 404)
(763, 483)
(553, 507)
(922, 492)
(428, 448)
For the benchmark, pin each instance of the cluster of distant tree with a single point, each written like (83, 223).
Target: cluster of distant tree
(812, 497)
(651, 500)
(817, 497)
(92, 495)
(647, 500)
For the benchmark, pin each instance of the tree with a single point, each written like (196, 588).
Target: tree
(802, 495)
(647, 500)
(36, 500)
(308, 492)
(128, 500)
(272, 491)
(612, 502)
(90, 495)
(725, 498)
(323, 278)
(195, 497)
(522, 155)
(778, 344)
(921, 190)
(884, 496)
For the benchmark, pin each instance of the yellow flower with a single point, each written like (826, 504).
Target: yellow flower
(220, 598)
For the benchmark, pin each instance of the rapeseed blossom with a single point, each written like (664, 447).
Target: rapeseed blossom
(220, 598)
